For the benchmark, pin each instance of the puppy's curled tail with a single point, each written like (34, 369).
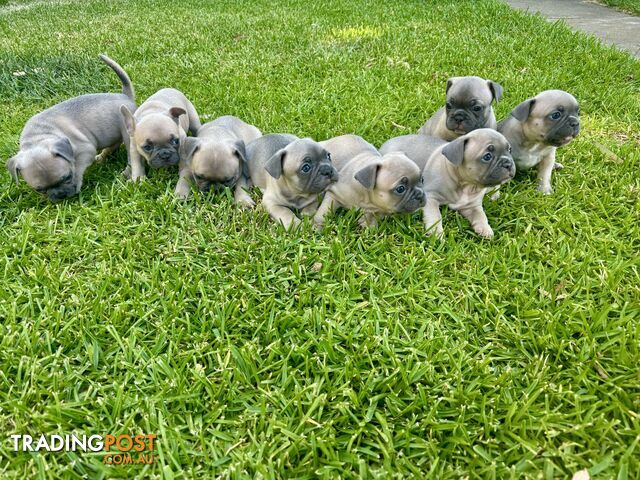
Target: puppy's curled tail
(127, 86)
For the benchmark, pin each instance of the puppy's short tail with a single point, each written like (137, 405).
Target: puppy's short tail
(127, 86)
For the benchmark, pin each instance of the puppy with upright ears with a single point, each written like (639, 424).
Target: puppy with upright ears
(537, 128)
(216, 157)
(459, 173)
(467, 108)
(376, 184)
(60, 143)
(157, 129)
(291, 172)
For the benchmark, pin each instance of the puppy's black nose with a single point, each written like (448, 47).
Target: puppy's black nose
(327, 171)
(507, 163)
(574, 122)
(419, 194)
(458, 116)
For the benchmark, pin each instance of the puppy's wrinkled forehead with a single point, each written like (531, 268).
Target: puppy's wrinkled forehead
(481, 139)
(553, 99)
(40, 168)
(306, 149)
(397, 166)
(157, 129)
(465, 89)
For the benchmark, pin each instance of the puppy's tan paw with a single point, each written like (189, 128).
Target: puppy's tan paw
(245, 201)
(485, 231)
(495, 196)
(545, 189)
(558, 166)
(292, 224)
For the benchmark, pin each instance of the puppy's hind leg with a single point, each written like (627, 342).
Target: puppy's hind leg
(102, 156)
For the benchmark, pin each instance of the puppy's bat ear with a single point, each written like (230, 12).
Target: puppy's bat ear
(274, 164)
(454, 151)
(129, 121)
(367, 175)
(241, 153)
(496, 90)
(62, 148)
(190, 145)
(176, 113)
(14, 168)
(450, 83)
(522, 111)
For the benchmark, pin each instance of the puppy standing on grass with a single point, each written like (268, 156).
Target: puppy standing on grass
(291, 172)
(459, 173)
(467, 108)
(60, 143)
(537, 127)
(217, 156)
(376, 184)
(157, 129)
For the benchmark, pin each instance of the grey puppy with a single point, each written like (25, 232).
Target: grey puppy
(376, 184)
(60, 143)
(217, 156)
(291, 172)
(157, 129)
(459, 173)
(468, 107)
(537, 127)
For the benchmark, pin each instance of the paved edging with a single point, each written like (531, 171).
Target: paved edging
(611, 26)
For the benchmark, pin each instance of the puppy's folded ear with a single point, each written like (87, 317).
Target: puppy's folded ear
(496, 90)
(14, 168)
(241, 153)
(454, 151)
(274, 164)
(129, 121)
(62, 148)
(176, 113)
(190, 145)
(367, 175)
(522, 111)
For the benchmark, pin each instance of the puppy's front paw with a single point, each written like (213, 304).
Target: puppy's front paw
(245, 201)
(495, 196)
(484, 231)
(140, 178)
(367, 220)
(545, 189)
(291, 224)
(126, 173)
(435, 230)
(558, 166)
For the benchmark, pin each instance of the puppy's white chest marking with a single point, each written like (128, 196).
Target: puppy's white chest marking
(528, 158)
(467, 196)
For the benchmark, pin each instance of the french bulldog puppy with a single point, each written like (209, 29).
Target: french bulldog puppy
(459, 173)
(217, 156)
(467, 108)
(376, 184)
(60, 143)
(157, 129)
(537, 127)
(291, 172)
(415, 146)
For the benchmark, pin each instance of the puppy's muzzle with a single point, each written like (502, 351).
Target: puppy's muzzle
(58, 194)
(414, 200)
(329, 172)
(164, 158)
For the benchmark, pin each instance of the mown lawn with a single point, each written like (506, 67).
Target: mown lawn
(254, 353)
(630, 6)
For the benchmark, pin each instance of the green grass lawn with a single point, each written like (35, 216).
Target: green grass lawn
(631, 6)
(254, 353)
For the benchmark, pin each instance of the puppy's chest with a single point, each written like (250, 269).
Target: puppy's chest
(530, 157)
(298, 201)
(466, 197)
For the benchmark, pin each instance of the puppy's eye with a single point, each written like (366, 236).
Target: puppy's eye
(487, 157)
(147, 148)
(306, 168)
(477, 108)
(175, 142)
(66, 178)
(447, 106)
(400, 189)
(555, 115)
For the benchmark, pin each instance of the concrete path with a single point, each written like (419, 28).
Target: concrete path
(611, 26)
